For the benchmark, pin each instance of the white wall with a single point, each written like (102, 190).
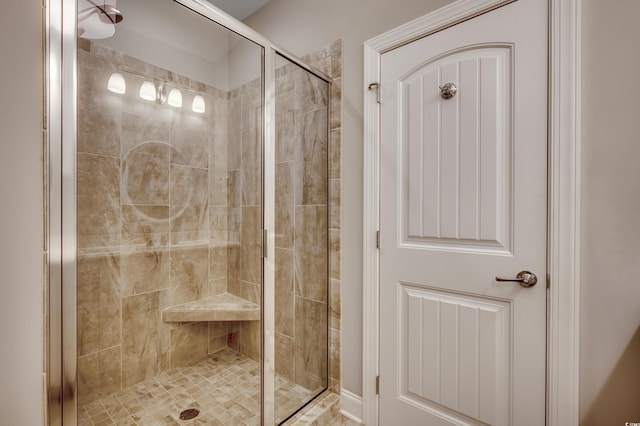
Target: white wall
(21, 247)
(610, 349)
(304, 26)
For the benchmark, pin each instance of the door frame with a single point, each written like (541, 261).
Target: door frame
(563, 206)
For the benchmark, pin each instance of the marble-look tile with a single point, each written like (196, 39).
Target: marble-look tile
(217, 286)
(233, 262)
(251, 167)
(284, 70)
(323, 64)
(311, 92)
(234, 205)
(251, 108)
(98, 375)
(143, 355)
(98, 201)
(335, 120)
(284, 210)
(251, 244)
(284, 350)
(98, 286)
(334, 353)
(99, 109)
(144, 134)
(311, 158)
(285, 124)
(334, 254)
(224, 386)
(145, 175)
(218, 334)
(218, 187)
(145, 225)
(335, 53)
(189, 273)
(335, 153)
(245, 290)
(217, 262)
(218, 217)
(218, 112)
(189, 205)
(234, 134)
(335, 200)
(321, 412)
(311, 254)
(310, 343)
(189, 343)
(144, 269)
(334, 304)
(190, 140)
(249, 339)
(218, 150)
(284, 298)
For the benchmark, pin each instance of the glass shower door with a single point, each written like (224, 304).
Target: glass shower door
(301, 237)
(169, 218)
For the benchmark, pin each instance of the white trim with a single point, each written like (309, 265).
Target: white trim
(370, 329)
(563, 352)
(564, 198)
(350, 405)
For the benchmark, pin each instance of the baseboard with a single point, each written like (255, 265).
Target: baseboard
(351, 405)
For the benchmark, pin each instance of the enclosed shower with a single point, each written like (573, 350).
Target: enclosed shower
(199, 284)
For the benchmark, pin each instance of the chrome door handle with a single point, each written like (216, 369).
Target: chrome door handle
(525, 278)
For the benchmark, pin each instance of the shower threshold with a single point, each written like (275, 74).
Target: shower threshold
(223, 386)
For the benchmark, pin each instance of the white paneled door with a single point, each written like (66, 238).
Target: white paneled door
(463, 181)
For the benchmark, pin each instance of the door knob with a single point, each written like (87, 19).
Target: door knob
(525, 278)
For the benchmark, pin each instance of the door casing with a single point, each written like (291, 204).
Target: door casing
(563, 176)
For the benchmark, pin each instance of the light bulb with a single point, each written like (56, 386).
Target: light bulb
(117, 84)
(198, 104)
(175, 98)
(148, 91)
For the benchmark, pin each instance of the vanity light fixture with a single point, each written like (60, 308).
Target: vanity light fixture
(198, 104)
(175, 98)
(148, 91)
(117, 84)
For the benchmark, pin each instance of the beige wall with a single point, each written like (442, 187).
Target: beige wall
(21, 215)
(305, 26)
(610, 340)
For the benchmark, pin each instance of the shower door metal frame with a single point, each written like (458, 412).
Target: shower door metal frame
(61, 112)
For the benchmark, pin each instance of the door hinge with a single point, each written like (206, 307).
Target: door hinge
(375, 85)
(548, 281)
(377, 385)
(377, 239)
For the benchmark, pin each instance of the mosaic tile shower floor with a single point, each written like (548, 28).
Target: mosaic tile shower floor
(224, 387)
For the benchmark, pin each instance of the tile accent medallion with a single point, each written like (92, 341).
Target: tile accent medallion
(169, 212)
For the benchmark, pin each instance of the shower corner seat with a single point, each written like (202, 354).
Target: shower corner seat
(221, 307)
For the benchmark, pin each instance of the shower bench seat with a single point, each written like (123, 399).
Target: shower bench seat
(221, 307)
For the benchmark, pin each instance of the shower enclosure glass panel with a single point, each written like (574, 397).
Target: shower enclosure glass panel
(169, 219)
(301, 212)
(195, 144)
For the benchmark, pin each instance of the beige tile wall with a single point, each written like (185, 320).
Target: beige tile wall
(329, 60)
(169, 210)
(152, 222)
(308, 221)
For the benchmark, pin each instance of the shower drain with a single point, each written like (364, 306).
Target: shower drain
(190, 413)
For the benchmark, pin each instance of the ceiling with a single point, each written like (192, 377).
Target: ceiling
(239, 9)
